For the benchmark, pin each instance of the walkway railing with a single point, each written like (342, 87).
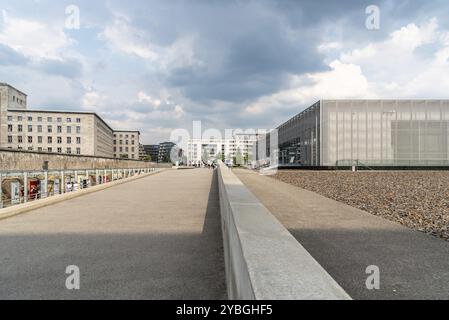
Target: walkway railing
(17, 187)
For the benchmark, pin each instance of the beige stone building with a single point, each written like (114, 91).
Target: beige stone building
(82, 133)
(127, 144)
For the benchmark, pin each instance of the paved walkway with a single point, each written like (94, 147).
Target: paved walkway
(154, 238)
(345, 241)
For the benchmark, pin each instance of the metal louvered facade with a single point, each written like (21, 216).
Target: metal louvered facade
(367, 132)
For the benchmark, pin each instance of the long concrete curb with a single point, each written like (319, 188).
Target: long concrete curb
(26, 207)
(263, 260)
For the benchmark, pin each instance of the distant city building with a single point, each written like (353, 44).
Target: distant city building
(165, 149)
(366, 133)
(127, 144)
(238, 150)
(152, 151)
(142, 155)
(79, 133)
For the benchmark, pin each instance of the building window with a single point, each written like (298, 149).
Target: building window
(121, 141)
(30, 139)
(30, 118)
(49, 119)
(39, 149)
(69, 120)
(39, 119)
(19, 118)
(69, 130)
(30, 148)
(59, 140)
(78, 140)
(127, 142)
(59, 150)
(115, 141)
(9, 139)
(49, 140)
(121, 149)
(50, 129)
(78, 130)
(78, 150)
(69, 140)
(59, 120)
(9, 127)
(115, 149)
(50, 149)
(19, 139)
(59, 129)
(69, 150)
(132, 149)
(20, 128)
(9, 118)
(39, 139)
(132, 142)
(30, 128)
(39, 128)
(78, 120)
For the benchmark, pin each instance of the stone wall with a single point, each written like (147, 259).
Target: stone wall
(11, 160)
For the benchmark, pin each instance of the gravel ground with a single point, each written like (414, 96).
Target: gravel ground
(416, 199)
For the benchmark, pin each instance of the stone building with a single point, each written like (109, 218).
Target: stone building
(63, 132)
(126, 144)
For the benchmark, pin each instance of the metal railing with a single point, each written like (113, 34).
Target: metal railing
(27, 186)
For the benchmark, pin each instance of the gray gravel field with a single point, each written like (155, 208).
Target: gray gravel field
(416, 199)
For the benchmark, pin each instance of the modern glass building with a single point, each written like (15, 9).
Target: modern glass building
(367, 133)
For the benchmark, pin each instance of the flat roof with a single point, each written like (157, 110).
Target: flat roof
(128, 131)
(63, 112)
(4, 84)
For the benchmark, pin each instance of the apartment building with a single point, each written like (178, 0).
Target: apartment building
(127, 145)
(152, 151)
(79, 133)
(238, 150)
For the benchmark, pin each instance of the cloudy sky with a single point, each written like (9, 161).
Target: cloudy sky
(159, 65)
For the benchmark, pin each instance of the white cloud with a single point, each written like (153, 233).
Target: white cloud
(123, 37)
(93, 100)
(32, 38)
(143, 97)
(387, 69)
(342, 81)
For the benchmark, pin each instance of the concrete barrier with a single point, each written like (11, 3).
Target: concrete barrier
(263, 260)
(33, 205)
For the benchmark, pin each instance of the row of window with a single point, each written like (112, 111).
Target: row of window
(126, 136)
(126, 149)
(19, 101)
(124, 156)
(40, 128)
(40, 119)
(40, 139)
(50, 150)
(126, 142)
